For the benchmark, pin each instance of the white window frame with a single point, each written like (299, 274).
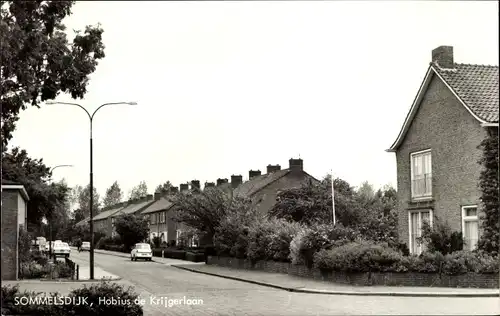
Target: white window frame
(466, 218)
(412, 156)
(178, 233)
(431, 222)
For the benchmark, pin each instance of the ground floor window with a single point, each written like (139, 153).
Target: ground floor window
(165, 236)
(470, 227)
(178, 233)
(415, 222)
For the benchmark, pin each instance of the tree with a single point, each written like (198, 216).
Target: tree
(60, 217)
(488, 183)
(84, 200)
(132, 229)
(204, 210)
(164, 188)
(113, 195)
(366, 194)
(139, 191)
(38, 61)
(34, 175)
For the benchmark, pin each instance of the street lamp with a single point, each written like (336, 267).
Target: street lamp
(50, 222)
(91, 191)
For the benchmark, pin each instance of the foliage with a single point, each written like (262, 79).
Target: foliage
(38, 61)
(357, 257)
(205, 210)
(187, 235)
(488, 182)
(107, 241)
(106, 290)
(11, 307)
(156, 242)
(139, 191)
(231, 235)
(113, 195)
(281, 238)
(83, 197)
(440, 238)
(296, 245)
(24, 246)
(164, 187)
(132, 229)
(34, 175)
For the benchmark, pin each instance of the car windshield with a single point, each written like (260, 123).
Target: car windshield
(65, 244)
(142, 246)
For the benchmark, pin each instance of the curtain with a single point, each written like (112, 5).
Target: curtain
(471, 234)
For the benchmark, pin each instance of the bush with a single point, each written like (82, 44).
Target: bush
(323, 236)
(105, 290)
(33, 270)
(9, 306)
(156, 242)
(441, 238)
(118, 248)
(357, 257)
(174, 254)
(195, 256)
(279, 247)
(296, 245)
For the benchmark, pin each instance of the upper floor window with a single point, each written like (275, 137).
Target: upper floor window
(153, 218)
(162, 217)
(421, 174)
(470, 227)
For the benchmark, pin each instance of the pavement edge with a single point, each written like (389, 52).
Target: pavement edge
(352, 293)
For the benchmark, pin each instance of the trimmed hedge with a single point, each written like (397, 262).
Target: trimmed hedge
(174, 254)
(195, 256)
(371, 257)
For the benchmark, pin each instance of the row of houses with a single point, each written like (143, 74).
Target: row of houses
(260, 188)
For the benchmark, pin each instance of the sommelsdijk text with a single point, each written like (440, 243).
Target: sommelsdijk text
(50, 300)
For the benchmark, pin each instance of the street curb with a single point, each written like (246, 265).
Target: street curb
(350, 293)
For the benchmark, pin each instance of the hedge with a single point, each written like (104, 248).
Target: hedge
(371, 257)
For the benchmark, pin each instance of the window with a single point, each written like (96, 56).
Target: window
(421, 174)
(165, 236)
(415, 222)
(162, 217)
(470, 227)
(177, 235)
(153, 218)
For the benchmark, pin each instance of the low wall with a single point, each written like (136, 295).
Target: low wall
(468, 280)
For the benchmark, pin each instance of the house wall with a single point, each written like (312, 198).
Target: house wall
(265, 199)
(445, 126)
(10, 234)
(22, 213)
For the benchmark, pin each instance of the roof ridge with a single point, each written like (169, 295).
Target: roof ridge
(481, 65)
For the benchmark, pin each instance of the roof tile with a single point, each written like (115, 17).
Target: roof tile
(160, 205)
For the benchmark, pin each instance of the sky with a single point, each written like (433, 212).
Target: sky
(225, 87)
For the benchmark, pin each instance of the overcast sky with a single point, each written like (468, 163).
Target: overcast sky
(225, 87)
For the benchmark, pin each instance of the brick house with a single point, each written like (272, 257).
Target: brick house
(103, 221)
(14, 218)
(437, 148)
(134, 207)
(159, 217)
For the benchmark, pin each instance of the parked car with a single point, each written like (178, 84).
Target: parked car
(85, 246)
(61, 249)
(141, 251)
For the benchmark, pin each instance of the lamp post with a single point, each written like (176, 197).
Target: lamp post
(91, 191)
(50, 221)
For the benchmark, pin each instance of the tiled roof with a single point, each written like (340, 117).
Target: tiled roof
(160, 205)
(83, 221)
(477, 86)
(132, 208)
(247, 189)
(106, 214)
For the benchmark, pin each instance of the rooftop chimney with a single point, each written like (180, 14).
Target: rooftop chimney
(253, 174)
(221, 181)
(271, 168)
(236, 180)
(209, 185)
(195, 184)
(149, 197)
(174, 190)
(443, 57)
(296, 164)
(184, 187)
(157, 195)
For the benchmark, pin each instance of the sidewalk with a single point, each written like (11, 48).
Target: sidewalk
(304, 285)
(166, 261)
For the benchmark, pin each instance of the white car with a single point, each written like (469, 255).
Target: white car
(61, 249)
(85, 246)
(141, 251)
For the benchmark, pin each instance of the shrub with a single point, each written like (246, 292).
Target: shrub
(9, 306)
(431, 262)
(33, 270)
(156, 242)
(195, 256)
(174, 254)
(357, 257)
(259, 238)
(323, 236)
(296, 245)
(441, 238)
(455, 263)
(279, 247)
(105, 290)
(487, 264)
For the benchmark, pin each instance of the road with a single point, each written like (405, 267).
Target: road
(227, 297)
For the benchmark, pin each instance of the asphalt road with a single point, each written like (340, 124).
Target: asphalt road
(219, 296)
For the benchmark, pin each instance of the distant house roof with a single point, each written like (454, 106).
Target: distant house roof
(160, 205)
(133, 208)
(475, 86)
(107, 213)
(83, 221)
(11, 185)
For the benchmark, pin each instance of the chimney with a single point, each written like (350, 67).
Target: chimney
(443, 57)
(253, 174)
(221, 181)
(209, 185)
(157, 196)
(174, 190)
(195, 184)
(296, 164)
(236, 180)
(149, 197)
(184, 187)
(271, 168)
